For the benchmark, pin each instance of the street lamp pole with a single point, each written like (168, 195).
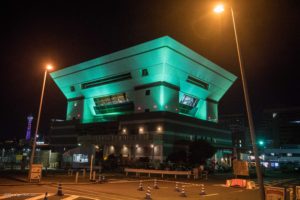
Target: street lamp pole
(219, 9)
(49, 67)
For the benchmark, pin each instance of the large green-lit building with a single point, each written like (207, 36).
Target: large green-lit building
(139, 101)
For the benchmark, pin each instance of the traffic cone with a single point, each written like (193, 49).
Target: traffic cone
(46, 196)
(202, 190)
(182, 194)
(148, 193)
(155, 184)
(140, 188)
(59, 190)
(176, 187)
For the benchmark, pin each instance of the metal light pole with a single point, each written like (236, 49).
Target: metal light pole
(49, 67)
(218, 9)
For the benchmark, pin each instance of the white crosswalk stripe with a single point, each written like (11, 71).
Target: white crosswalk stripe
(71, 197)
(39, 197)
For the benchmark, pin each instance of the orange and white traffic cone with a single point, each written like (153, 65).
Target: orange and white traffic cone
(182, 194)
(155, 184)
(202, 190)
(140, 188)
(148, 193)
(59, 190)
(176, 187)
(46, 196)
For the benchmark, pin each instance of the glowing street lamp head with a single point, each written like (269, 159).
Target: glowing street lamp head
(49, 67)
(219, 8)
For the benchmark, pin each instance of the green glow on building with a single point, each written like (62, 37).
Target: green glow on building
(171, 71)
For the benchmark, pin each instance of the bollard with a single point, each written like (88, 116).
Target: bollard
(59, 190)
(148, 193)
(99, 179)
(83, 173)
(76, 177)
(155, 186)
(202, 190)
(46, 196)
(94, 176)
(140, 188)
(182, 194)
(176, 187)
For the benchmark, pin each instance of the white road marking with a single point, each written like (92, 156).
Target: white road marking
(39, 197)
(207, 195)
(71, 197)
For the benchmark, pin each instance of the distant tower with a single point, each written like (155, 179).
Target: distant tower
(28, 132)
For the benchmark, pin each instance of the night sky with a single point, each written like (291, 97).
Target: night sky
(64, 34)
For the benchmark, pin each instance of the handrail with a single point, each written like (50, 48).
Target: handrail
(153, 171)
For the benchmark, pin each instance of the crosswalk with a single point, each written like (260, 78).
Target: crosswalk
(41, 196)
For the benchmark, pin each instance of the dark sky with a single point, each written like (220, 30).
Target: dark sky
(35, 33)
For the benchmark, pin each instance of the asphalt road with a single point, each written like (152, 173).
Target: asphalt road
(126, 190)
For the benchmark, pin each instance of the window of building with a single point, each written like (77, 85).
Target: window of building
(147, 92)
(147, 110)
(72, 88)
(145, 72)
(188, 100)
(113, 99)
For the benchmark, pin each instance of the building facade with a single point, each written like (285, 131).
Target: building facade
(139, 101)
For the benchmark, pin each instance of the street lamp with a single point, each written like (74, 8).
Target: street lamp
(48, 68)
(219, 9)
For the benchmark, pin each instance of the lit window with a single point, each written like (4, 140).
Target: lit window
(124, 131)
(289, 154)
(141, 130)
(80, 158)
(189, 101)
(155, 106)
(272, 154)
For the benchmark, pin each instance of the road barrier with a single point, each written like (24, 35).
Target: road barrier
(148, 193)
(155, 186)
(153, 171)
(182, 193)
(141, 188)
(202, 190)
(46, 196)
(176, 187)
(59, 190)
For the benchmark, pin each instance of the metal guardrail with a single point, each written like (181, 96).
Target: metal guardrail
(153, 171)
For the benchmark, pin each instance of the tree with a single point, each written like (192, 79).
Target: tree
(197, 152)
(200, 151)
(179, 156)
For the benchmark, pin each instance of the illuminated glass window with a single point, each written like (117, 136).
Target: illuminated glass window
(145, 72)
(80, 158)
(113, 99)
(189, 101)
